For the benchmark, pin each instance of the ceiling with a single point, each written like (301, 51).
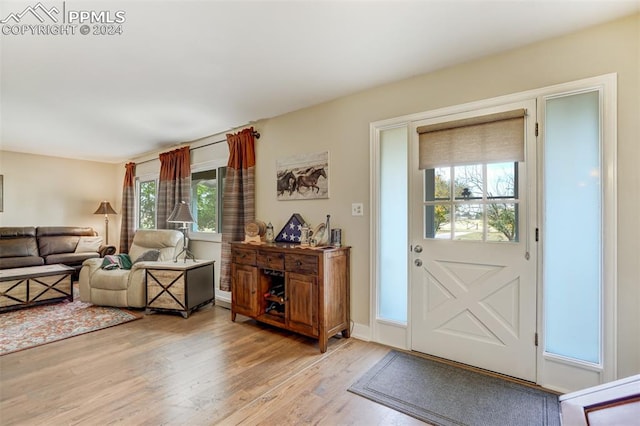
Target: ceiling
(183, 70)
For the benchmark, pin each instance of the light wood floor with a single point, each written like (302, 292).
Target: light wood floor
(205, 370)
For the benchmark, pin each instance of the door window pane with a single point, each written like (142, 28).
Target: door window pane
(502, 222)
(469, 223)
(485, 202)
(501, 180)
(438, 184)
(438, 221)
(469, 182)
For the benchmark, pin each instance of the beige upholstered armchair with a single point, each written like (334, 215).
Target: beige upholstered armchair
(126, 287)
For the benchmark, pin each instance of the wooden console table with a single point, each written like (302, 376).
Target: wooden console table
(180, 286)
(305, 290)
(34, 285)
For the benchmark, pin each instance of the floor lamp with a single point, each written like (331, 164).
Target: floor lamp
(105, 209)
(182, 214)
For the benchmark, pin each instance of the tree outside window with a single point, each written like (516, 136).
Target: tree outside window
(472, 202)
(147, 204)
(206, 199)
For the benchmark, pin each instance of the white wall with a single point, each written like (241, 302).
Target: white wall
(50, 191)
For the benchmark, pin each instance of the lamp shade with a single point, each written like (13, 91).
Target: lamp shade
(105, 208)
(181, 214)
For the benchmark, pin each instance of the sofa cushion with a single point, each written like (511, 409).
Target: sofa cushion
(17, 241)
(20, 246)
(78, 231)
(88, 244)
(69, 259)
(20, 262)
(17, 231)
(57, 244)
(60, 239)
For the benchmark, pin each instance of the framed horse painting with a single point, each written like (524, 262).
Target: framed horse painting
(303, 177)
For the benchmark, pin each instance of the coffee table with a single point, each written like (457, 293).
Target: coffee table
(34, 285)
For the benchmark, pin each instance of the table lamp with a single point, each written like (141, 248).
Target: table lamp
(182, 214)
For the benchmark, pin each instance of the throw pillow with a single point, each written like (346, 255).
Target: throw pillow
(148, 256)
(88, 244)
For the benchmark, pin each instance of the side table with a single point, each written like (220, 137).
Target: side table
(180, 286)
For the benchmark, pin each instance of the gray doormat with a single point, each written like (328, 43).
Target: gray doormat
(445, 395)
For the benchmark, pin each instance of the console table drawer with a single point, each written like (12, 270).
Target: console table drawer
(271, 260)
(301, 263)
(244, 256)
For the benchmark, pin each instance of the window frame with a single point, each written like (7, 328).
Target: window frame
(138, 180)
(202, 167)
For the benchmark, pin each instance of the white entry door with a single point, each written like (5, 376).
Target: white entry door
(473, 257)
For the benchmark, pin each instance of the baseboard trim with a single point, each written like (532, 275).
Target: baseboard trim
(361, 332)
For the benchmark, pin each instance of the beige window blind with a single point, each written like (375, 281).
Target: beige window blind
(489, 138)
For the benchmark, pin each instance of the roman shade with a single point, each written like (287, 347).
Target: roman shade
(491, 138)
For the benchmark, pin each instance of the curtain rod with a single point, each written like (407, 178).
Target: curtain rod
(254, 133)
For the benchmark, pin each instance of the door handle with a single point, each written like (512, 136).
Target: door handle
(418, 249)
(418, 262)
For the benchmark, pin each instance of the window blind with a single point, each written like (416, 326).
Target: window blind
(489, 138)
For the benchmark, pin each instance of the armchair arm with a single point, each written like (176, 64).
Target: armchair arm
(106, 250)
(89, 266)
(92, 265)
(136, 288)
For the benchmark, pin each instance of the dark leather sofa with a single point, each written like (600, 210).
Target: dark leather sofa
(46, 245)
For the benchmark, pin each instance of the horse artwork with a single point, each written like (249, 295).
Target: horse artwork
(303, 177)
(286, 182)
(310, 178)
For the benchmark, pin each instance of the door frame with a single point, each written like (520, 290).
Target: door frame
(552, 372)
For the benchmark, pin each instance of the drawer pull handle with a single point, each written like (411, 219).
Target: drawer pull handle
(298, 263)
(269, 259)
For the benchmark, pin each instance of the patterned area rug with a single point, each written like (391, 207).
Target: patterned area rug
(30, 327)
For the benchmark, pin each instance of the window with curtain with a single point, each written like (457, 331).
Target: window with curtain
(471, 177)
(146, 196)
(206, 200)
(207, 186)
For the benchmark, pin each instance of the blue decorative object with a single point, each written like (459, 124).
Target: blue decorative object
(291, 231)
